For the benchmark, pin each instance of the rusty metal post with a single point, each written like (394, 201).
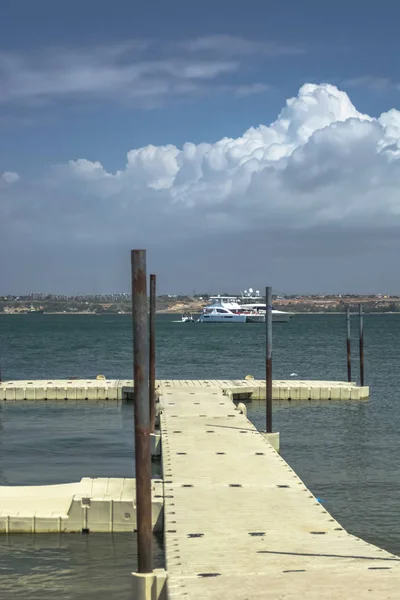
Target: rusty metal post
(152, 353)
(348, 343)
(141, 410)
(361, 345)
(268, 374)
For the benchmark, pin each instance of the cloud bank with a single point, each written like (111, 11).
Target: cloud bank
(321, 165)
(145, 73)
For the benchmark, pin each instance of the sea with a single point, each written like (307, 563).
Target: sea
(346, 452)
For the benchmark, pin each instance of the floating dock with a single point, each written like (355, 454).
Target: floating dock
(238, 389)
(90, 505)
(239, 523)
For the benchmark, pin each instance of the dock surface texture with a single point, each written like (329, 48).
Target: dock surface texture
(90, 505)
(240, 524)
(118, 389)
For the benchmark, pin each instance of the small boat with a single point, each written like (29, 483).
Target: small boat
(187, 318)
(35, 311)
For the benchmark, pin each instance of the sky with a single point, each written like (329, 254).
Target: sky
(243, 144)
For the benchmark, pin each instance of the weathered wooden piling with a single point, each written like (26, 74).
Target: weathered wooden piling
(142, 411)
(348, 343)
(361, 317)
(268, 374)
(152, 353)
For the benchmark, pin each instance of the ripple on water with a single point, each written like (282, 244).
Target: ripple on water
(69, 566)
(347, 453)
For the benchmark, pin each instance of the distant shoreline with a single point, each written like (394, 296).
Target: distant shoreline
(179, 312)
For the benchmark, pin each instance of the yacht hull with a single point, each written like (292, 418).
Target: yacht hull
(255, 318)
(221, 318)
(276, 318)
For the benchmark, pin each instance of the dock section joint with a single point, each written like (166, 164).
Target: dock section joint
(150, 586)
(274, 439)
(155, 444)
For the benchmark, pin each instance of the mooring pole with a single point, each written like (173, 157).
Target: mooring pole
(361, 345)
(152, 353)
(141, 411)
(348, 344)
(268, 378)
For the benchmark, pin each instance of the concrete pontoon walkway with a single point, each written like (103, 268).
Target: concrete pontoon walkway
(122, 389)
(90, 505)
(240, 524)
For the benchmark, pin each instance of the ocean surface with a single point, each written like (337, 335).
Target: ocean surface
(346, 452)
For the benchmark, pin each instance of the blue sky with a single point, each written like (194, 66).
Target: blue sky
(333, 43)
(91, 81)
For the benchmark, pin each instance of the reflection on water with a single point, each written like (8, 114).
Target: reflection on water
(77, 567)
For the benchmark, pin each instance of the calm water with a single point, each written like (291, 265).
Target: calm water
(347, 452)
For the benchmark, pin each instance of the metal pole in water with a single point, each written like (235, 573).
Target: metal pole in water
(348, 343)
(152, 353)
(141, 411)
(268, 378)
(361, 345)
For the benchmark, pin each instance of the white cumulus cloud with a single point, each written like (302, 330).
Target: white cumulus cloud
(321, 163)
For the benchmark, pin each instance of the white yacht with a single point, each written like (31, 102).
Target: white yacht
(278, 316)
(227, 309)
(222, 312)
(256, 304)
